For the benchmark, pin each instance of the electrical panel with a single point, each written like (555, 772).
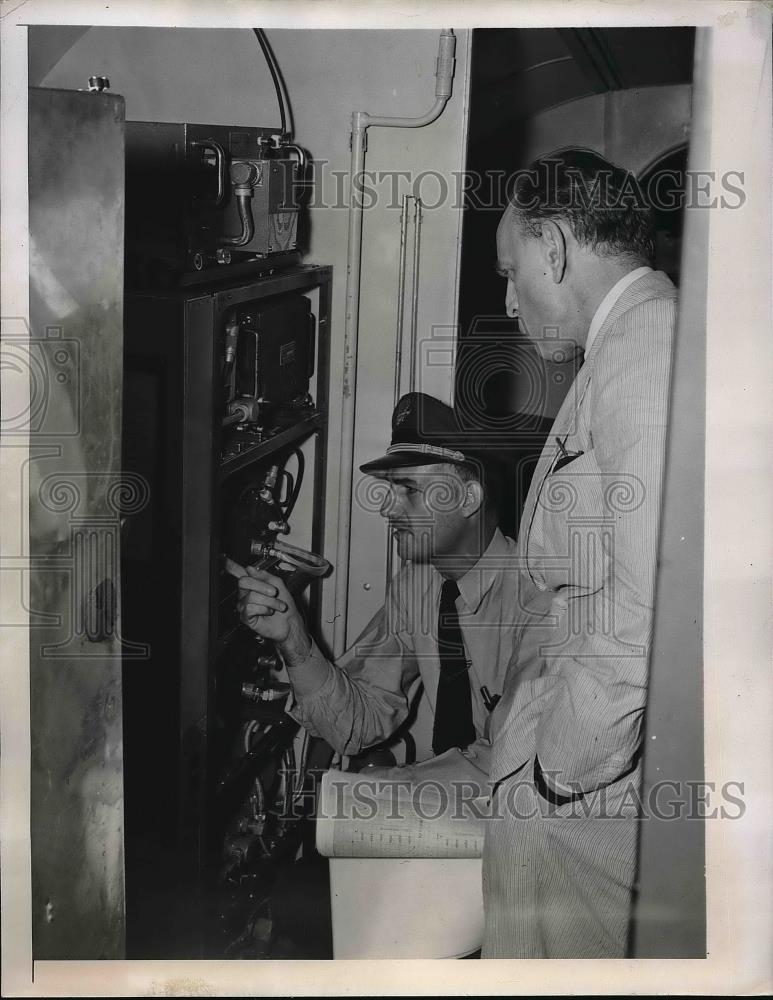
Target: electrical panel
(225, 417)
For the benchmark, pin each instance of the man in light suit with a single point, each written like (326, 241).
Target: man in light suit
(560, 853)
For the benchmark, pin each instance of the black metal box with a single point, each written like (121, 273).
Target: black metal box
(182, 209)
(275, 359)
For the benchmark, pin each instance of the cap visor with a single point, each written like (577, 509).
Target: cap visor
(403, 460)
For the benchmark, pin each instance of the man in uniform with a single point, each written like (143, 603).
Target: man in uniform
(447, 621)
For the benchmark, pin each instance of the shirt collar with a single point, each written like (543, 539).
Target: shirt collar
(607, 303)
(477, 582)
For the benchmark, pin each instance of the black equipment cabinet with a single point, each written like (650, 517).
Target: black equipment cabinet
(189, 764)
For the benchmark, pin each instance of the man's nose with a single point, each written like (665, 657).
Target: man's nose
(511, 300)
(388, 506)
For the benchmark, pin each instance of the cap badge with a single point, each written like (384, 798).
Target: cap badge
(402, 411)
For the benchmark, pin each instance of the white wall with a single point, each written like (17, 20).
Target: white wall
(218, 76)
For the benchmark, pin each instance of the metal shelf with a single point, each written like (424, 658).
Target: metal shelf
(294, 280)
(298, 432)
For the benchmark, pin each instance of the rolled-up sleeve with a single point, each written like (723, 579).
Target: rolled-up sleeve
(589, 730)
(364, 696)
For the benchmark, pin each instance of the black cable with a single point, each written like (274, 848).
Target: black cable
(289, 485)
(273, 69)
(288, 506)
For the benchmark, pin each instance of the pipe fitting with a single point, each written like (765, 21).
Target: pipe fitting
(444, 67)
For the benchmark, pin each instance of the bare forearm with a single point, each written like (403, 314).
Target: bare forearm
(297, 646)
(306, 666)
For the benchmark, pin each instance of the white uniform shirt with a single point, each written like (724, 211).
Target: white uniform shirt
(367, 694)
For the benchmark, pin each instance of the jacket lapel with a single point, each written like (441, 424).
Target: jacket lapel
(564, 421)
(654, 284)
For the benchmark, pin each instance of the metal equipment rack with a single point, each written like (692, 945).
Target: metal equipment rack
(178, 791)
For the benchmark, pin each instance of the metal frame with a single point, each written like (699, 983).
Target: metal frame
(163, 324)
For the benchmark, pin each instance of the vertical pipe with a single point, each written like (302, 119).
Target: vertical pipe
(361, 120)
(401, 297)
(415, 293)
(398, 360)
(390, 559)
(351, 326)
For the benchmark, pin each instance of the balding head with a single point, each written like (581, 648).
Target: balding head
(601, 204)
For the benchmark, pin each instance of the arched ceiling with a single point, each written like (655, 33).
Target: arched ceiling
(517, 73)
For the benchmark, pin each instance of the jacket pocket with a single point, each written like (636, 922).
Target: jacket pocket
(574, 525)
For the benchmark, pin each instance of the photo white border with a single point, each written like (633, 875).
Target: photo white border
(738, 530)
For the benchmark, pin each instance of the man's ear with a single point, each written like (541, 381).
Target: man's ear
(473, 498)
(554, 249)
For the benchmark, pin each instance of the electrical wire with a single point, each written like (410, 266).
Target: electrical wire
(288, 485)
(288, 761)
(248, 731)
(292, 500)
(274, 71)
(286, 507)
(259, 807)
(293, 773)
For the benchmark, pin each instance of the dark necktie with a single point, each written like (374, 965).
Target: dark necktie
(453, 709)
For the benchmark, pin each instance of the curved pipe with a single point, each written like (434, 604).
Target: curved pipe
(361, 121)
(308, 562)
(427, 119)
(444, 76)
(219, 163)
(248, 226)
(303, 156)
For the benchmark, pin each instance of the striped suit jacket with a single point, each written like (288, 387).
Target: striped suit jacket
(566, 734)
